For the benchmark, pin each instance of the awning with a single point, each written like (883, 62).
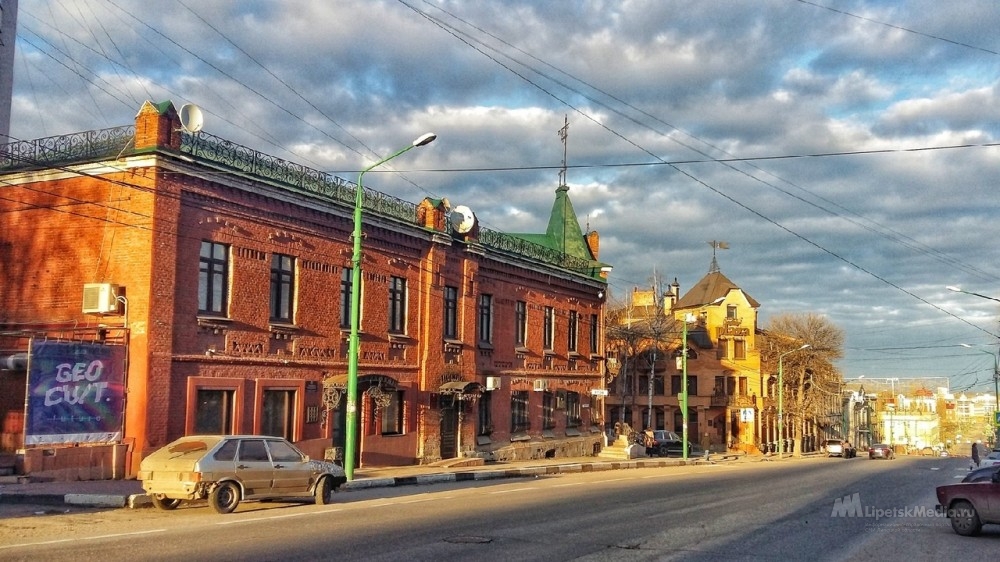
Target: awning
(460, 387)
(364, 381)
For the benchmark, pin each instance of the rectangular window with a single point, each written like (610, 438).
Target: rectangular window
(214, 412)
(739, 349)
(731, 312)
(451, 313)
(657, 385)
(549, 329)
(213, 276)
(521, 330)
(278, 413)
(573, 418)
(485, 318)
(485, 426)
(282, 287)
(397, 305)
(572, 328)
(519, 411)
(392, 415)
(346, 282)
(548, 406)
(594, 334)
(677, 381)
(722, 351)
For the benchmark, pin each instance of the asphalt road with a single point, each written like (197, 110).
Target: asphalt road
(751, 511)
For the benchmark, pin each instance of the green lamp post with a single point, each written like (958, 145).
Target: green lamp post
(350, 445)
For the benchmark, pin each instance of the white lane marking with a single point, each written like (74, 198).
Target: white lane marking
(269, 518)
(57, 541)
(514, 490)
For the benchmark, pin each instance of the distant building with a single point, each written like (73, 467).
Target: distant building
(223, 274)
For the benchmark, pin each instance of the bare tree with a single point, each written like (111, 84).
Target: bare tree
(810, 377)
(635, 333)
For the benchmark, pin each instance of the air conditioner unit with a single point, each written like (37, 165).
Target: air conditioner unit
(541, 384)
(100, 298)
(492, 383)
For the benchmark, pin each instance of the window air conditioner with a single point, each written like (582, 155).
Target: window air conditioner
(100, 298)
(492, 383)
(541, 384)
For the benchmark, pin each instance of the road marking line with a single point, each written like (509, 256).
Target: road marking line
(57, 541)
(269, 518)
(514, 490)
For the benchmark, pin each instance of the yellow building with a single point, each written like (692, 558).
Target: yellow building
(723, 364)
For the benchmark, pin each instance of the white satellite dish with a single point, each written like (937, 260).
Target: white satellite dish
(191, 118)
(463, 219)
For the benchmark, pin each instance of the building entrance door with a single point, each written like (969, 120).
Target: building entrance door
(449, 433)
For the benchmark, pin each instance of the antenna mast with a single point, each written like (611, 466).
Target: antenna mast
(564, 135)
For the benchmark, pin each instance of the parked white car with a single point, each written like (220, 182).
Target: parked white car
(992, 459)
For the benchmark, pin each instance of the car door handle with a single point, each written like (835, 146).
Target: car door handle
(242, 466)
(279, 466)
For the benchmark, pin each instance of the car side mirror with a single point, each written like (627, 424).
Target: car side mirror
(995, 478)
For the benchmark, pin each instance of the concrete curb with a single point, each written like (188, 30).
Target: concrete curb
(137, 501)
(96, 500)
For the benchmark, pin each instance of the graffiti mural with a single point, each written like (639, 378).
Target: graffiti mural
(76, 393)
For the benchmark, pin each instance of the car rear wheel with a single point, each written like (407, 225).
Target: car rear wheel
(964, 519)
(324, 491)
(162, 502)
(225, 497)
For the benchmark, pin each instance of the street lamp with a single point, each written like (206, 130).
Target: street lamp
(684, 386)
(957, 290)
(353, 342)
(781, 400)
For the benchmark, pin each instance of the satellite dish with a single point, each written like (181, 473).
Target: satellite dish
(191, 118)
(463, 219)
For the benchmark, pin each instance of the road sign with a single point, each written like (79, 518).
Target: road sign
(599, 392)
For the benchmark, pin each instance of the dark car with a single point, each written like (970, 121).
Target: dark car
(984, 474)
(666, 443)
(970, 505)
(849, 450)
(880, 451)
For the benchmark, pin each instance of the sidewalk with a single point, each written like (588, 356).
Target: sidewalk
(129, 493)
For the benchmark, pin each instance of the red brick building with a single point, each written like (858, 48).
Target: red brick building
(225, 275)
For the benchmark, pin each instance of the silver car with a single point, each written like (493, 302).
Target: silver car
(226, 469)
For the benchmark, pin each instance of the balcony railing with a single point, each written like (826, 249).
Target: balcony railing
(111, 143)
(733, 401)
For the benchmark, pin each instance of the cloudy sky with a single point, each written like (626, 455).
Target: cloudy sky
(847, 151)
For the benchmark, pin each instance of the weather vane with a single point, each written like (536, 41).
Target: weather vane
(716, 245)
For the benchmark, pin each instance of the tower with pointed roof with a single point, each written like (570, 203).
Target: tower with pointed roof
(730, 383)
